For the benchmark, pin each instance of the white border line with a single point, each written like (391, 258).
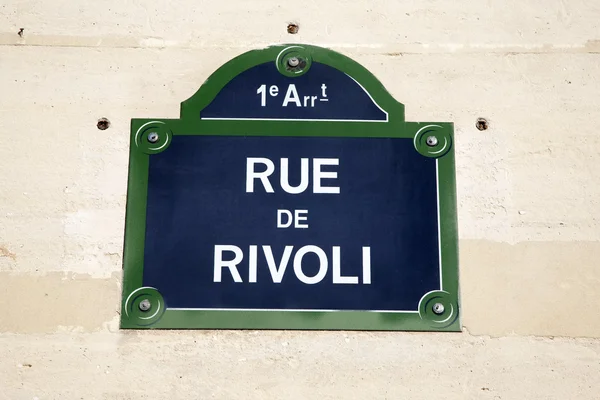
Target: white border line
(439, 222)
(289, 309)
(369, 94)
(291, 119)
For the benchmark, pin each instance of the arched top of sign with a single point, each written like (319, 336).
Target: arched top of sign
(293, 83)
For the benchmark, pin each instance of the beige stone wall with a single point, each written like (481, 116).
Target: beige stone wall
(528, 189)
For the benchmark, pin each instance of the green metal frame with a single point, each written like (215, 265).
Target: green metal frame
(423, 319)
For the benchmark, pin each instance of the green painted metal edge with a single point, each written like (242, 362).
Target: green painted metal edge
(160, 317)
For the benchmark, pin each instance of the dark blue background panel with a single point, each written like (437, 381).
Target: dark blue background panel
(197, 199)
(323, 93)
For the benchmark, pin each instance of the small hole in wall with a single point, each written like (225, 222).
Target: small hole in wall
(481, 124)
(292, 28)
(103, 124)
(21, 32)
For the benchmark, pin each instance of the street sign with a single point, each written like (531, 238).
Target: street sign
(291, 194)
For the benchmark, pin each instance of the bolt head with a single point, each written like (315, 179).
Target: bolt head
(145, 305)
(481, 124)
(293, 62)
(292, 28)
(431, 141)
(153, 137)
(438, 308)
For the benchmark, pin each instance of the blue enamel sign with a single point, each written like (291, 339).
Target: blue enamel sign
(292, 194)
